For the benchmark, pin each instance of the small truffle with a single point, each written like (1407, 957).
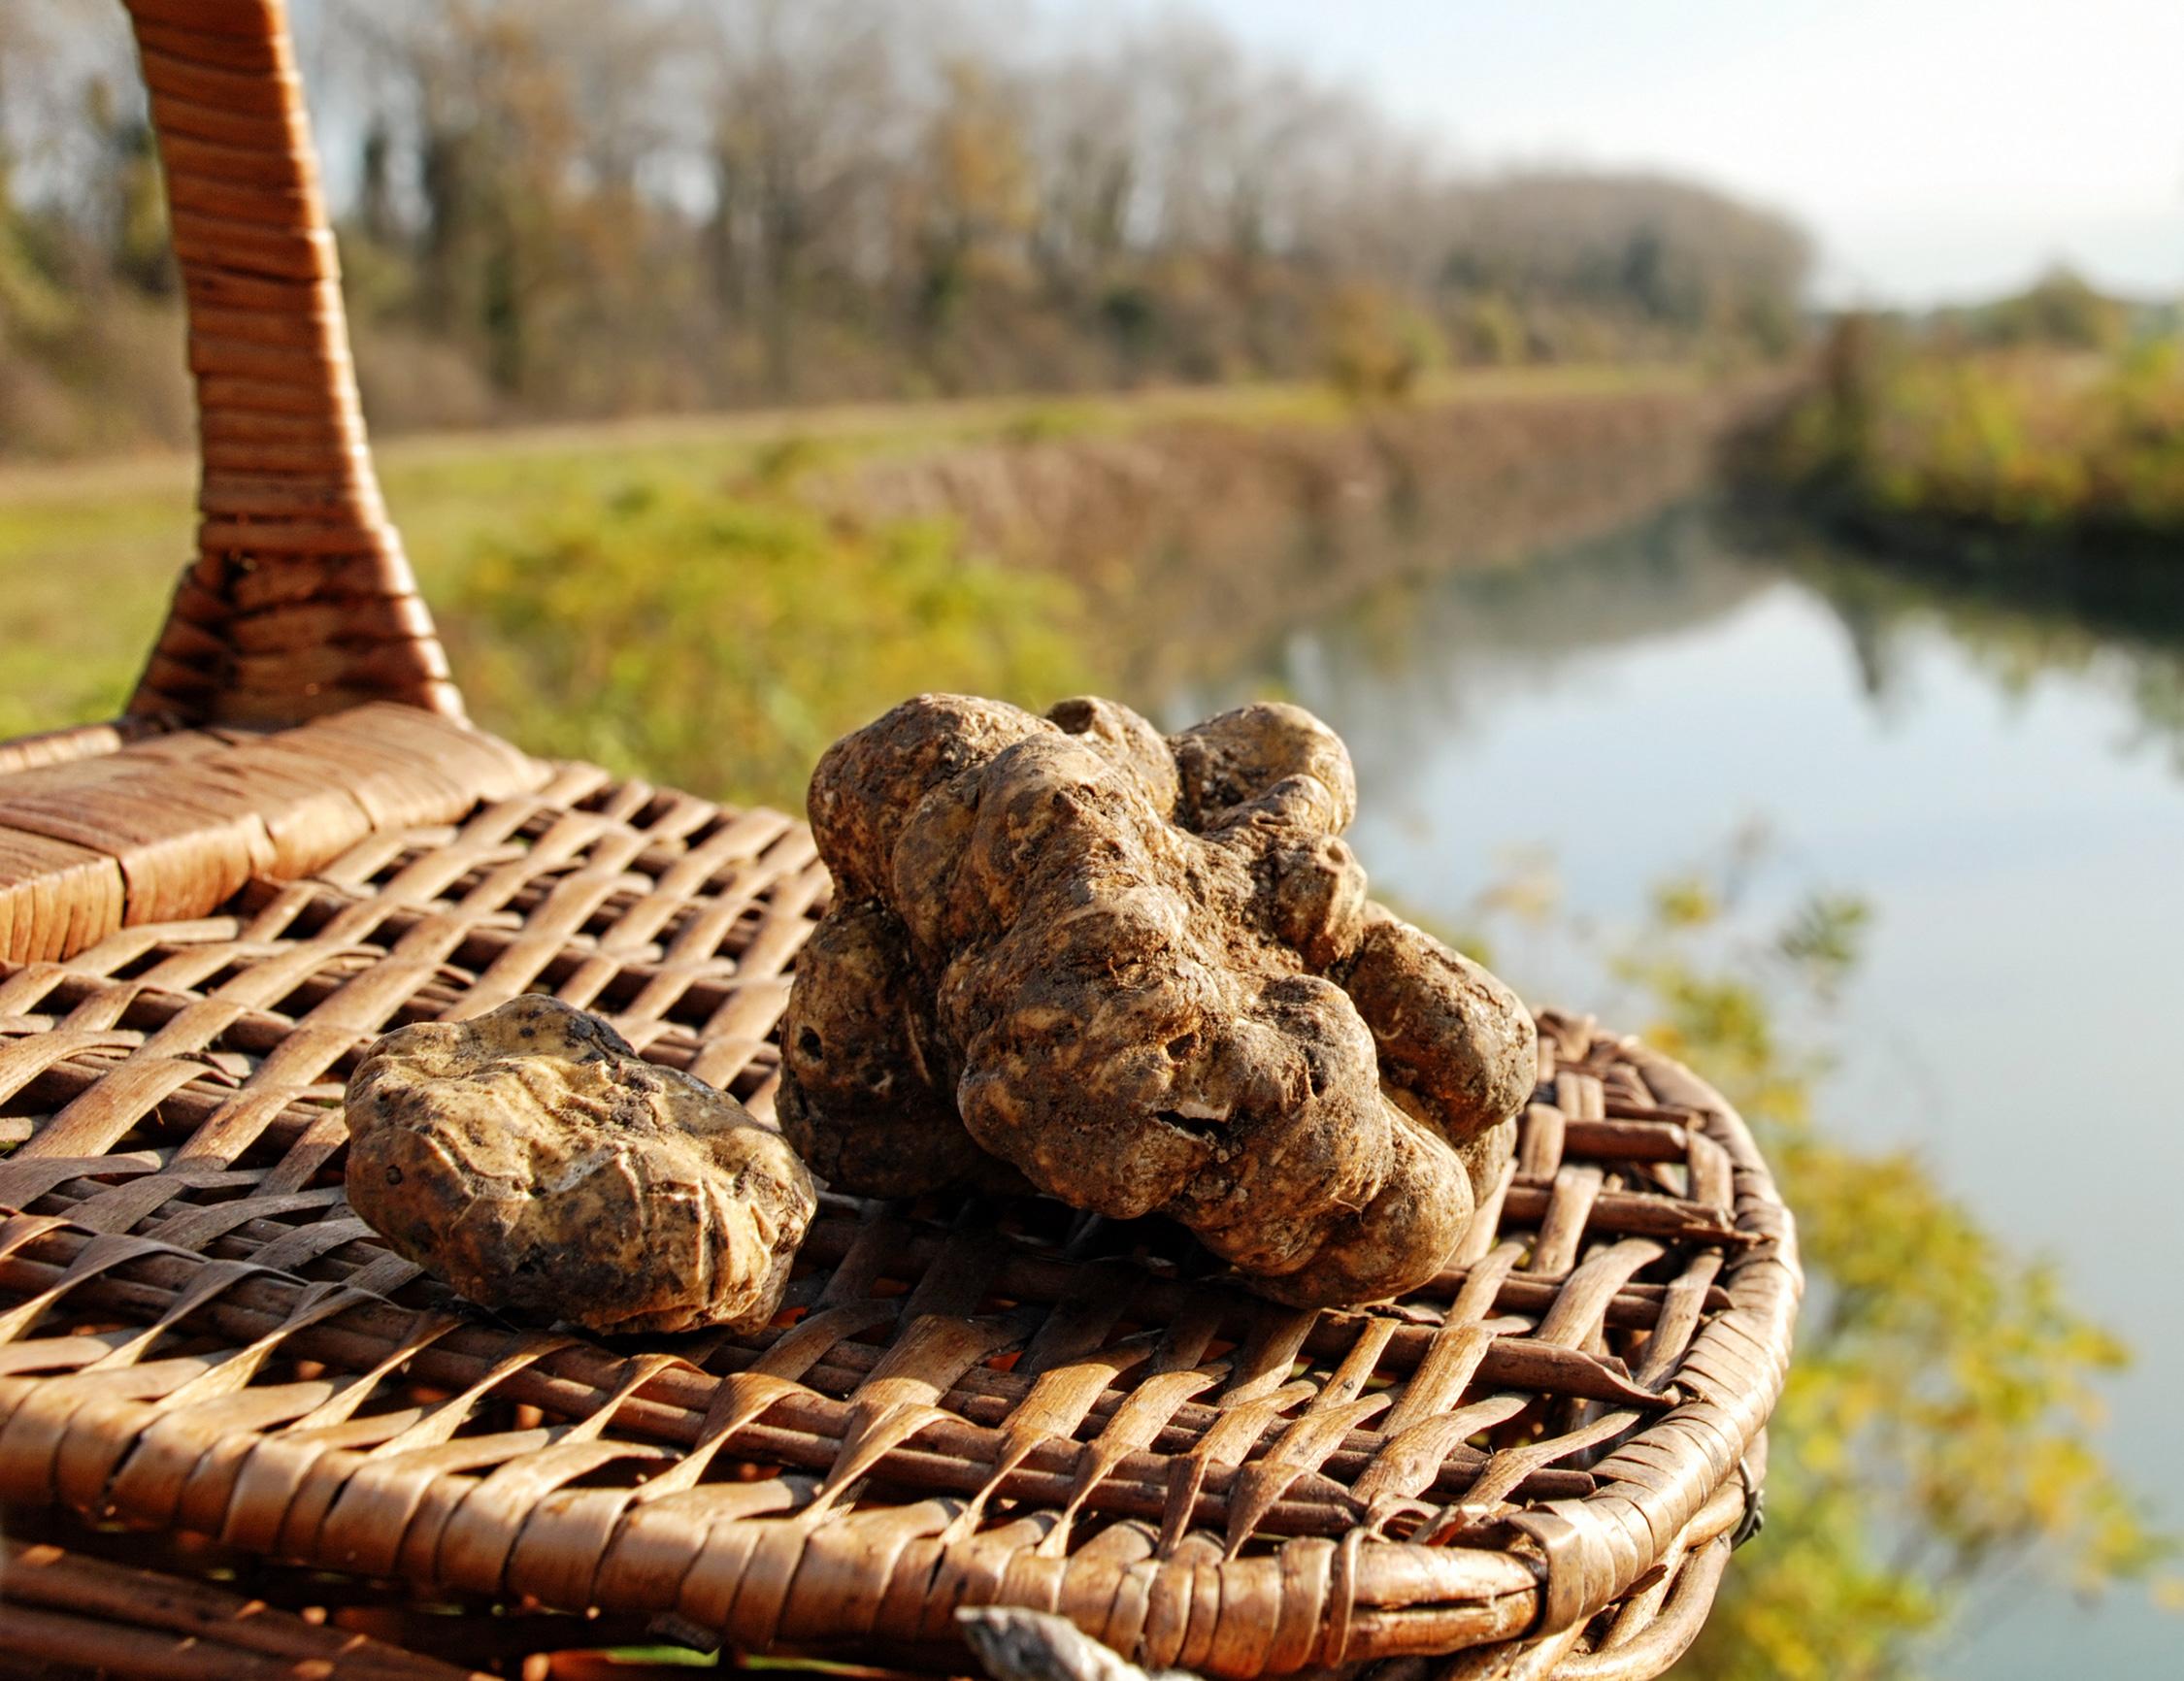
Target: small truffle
(532, 1160)
(1144, 974)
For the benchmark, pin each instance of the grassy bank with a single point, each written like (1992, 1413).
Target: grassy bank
(2043, 471)
(712, 602)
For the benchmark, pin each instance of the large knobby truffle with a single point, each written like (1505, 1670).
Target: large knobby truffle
(532, 1160)
(1146, 975)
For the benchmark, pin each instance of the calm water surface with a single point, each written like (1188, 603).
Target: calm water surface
(2008, 796)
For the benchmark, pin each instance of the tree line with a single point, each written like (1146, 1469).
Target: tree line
(556, 208)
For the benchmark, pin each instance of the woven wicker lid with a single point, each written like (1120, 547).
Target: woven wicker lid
(965, 1401)
(1538, 1463)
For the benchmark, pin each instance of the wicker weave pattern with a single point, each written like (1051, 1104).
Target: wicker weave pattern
(975, 1402)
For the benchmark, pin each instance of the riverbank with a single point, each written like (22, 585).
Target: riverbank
(1196, 539)
(2045, 476)
(712, 601)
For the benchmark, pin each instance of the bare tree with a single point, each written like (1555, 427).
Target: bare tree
(559, 206)
(807, 115)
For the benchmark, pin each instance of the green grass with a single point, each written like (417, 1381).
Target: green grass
(561, 561)
(722, 642)
(641, 611)
(652, 594)
(84, 586)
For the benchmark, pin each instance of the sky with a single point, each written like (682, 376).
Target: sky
(1939, 150)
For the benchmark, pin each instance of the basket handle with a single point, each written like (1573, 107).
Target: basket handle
(300, 601)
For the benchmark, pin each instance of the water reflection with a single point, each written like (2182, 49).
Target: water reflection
(2136, 655)
(1533, 618)
(1435, 653)
(2005, 785)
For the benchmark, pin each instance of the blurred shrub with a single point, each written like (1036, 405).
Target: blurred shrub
(1379, 347)
(723, 643)
(1936, 1436)
(2061, 310)
(2037, 438)
(1489, 331)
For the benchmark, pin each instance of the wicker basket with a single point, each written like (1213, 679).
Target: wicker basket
(208, 1366)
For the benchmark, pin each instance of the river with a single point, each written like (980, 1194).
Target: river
(2007, 794)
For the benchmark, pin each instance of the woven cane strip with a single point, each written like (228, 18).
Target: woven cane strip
(66, 1608)
(963, 1403)
(166, 828)
(300, 601)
